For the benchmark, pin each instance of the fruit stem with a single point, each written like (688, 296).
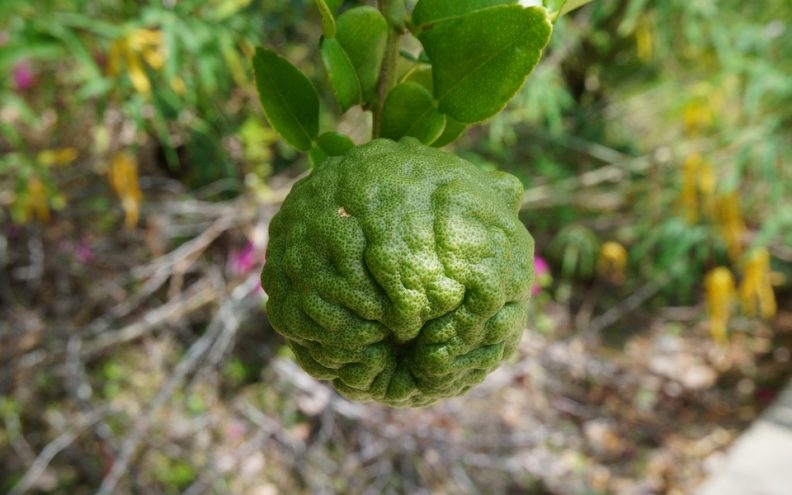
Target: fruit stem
(387, 77)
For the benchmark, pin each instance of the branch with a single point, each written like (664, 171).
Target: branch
(53, 448)
(387, 78)
(228, 318)
(199, 295)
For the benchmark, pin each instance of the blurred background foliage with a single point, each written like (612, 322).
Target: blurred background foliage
(663, 127)
(653, 140)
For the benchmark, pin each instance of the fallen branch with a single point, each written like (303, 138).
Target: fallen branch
(228, 318)
(199, 295)
(53, 448)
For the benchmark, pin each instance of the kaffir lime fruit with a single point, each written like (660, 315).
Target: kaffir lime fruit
(399, 272)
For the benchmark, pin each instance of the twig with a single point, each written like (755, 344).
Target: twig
(226, 340)
(273, 426)
(53, 448)
(33, 272)
(189, 250)
(225, 318)
(210, 475)
(609, 173)
(462, 479)
(199, 295)
(619, 167)
(781, 251)
(16, 436)
(79, 387)
(628, 305)
(295, 375)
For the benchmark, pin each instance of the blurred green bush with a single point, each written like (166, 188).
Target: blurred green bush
(664, 127)
(90, 80)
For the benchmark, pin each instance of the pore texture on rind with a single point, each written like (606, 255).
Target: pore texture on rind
(399, 272)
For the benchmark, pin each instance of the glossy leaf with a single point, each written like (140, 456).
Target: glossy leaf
(334, 143)
(452, 131)
(409, 111)
(562, 7)
(363, 32)
(288, 98)
(334, 5)
(429, 11)
(482, 59)
(422, 76)
(342, 74)
(329, 144)
(408, 56)
(328, 20)
(396, 14)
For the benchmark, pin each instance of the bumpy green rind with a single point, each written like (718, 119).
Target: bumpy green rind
(399, 272)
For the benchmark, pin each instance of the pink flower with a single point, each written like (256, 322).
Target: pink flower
(79, 251)
(236, 430)
(23, 75)
(540, 266)
(242, 261)
(83, 252)
(542, 275)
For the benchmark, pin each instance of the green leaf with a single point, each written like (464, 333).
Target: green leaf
(396, 14)
(328, 21)
(409, 111)
(334, 143)
(334, 4)
(363, 33)
(422, 76)
(452, 131)
(288, 98)
(407, 55)
(342, 74)
(482, 59)
(427, 11)
(563, 7)
(329, 144)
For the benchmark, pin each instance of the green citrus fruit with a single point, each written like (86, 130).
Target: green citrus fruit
(399, 272)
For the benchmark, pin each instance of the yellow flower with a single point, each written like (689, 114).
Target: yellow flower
(729, 219)
(145, 44)
(706, 186)
(612, 261)
(149, 44)
(697, 116)
(60, 156)
(756, 288)
(140, 39)
(137, 73)
(644, 41)
(123, 177)
(719, 284)
(115, 57)
(37, 203)
(177, 85)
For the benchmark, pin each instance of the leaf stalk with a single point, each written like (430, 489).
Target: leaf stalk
(387, 77)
